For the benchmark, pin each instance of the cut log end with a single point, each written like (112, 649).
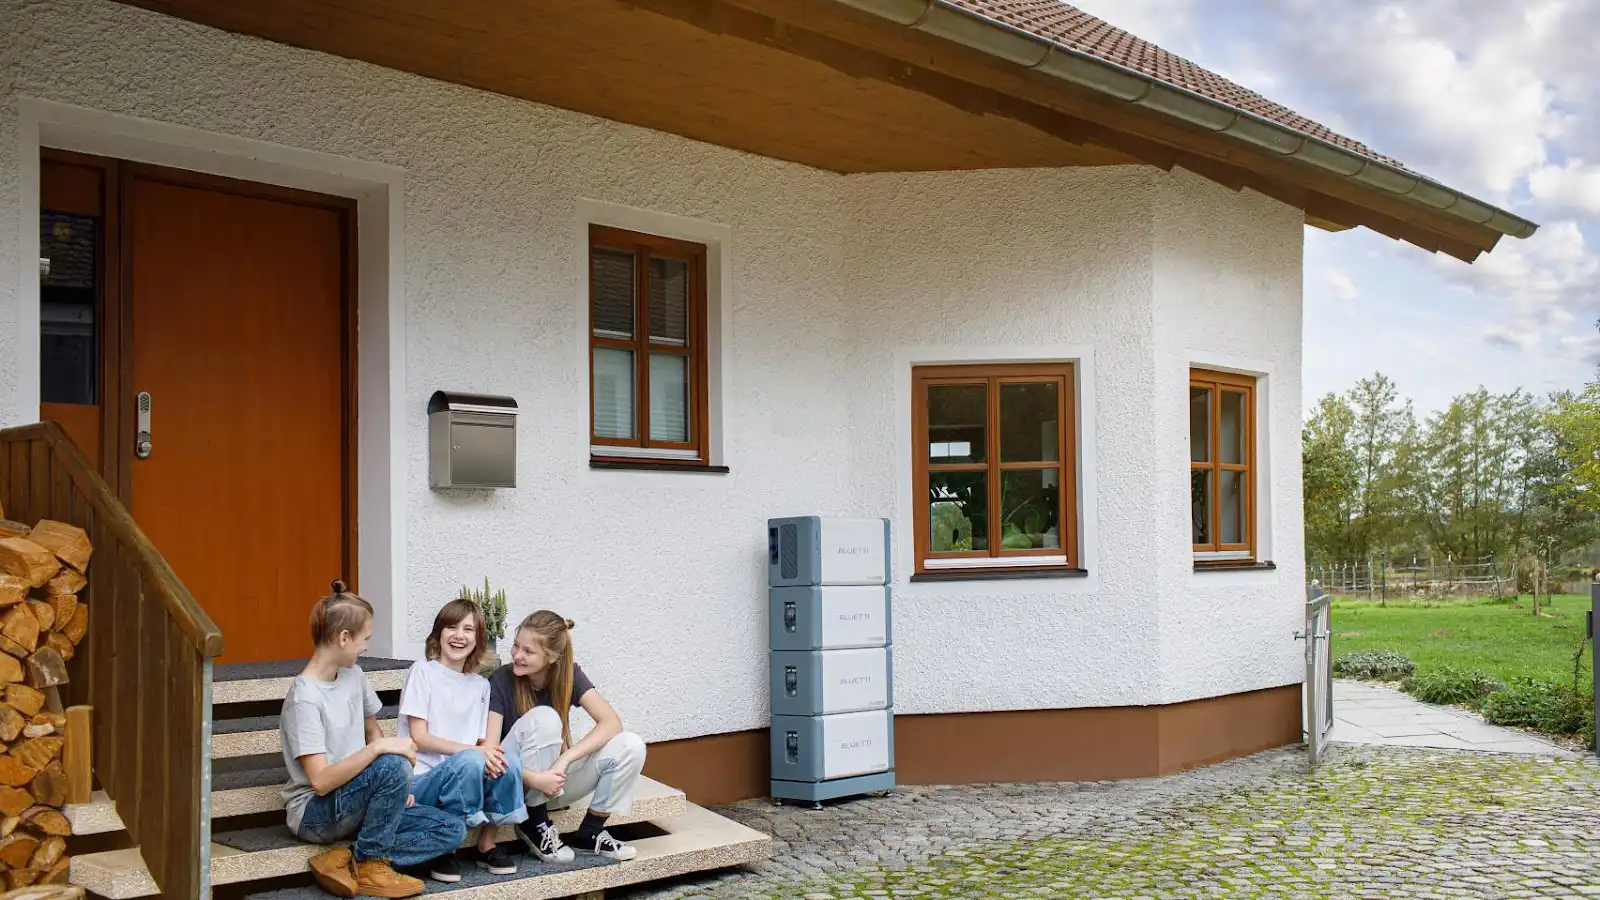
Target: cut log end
(46, 668)
(24, 699)
(78, 627)
(13, 589)
(46, 821)
(21, 627)
(68, 543)
(29, 561)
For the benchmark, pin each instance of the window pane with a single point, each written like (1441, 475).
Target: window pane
(1028, 414)
(669, 301)
(613, 289)
(669, 397)
(68, 345)
(1199, 424)
(1200, 504)
(1029, 504)
(613, 393)
(1233, 507)
(1232, 430)
(958, 510)
(958, 415)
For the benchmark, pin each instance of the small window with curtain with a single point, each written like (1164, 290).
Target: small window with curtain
(993, 467)
(1222, 507)
(647, 347)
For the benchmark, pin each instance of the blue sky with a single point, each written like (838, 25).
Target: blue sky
(1500, 100)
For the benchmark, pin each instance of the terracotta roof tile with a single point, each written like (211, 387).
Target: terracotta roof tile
(1071, 27)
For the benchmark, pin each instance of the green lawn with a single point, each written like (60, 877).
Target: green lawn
(1503, 641)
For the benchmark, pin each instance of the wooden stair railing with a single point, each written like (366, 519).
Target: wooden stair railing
(145, 666)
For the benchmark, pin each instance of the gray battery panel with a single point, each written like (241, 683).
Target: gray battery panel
(796, 547)
(825, 682)
(815, 617)
(819, 748)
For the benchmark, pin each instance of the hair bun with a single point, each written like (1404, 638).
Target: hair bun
(570, 624)
(338, 586)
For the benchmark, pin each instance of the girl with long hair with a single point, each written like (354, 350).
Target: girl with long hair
(529, 702)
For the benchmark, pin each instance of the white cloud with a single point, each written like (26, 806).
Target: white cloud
(1573, 187)
(1343, 287)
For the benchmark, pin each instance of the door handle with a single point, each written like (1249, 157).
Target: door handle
(141, 442)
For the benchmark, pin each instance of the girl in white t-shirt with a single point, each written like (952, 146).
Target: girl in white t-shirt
(444, 708)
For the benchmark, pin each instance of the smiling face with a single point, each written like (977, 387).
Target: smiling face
(349, 646)
(529, 655)
(457, 642)
(457, 639)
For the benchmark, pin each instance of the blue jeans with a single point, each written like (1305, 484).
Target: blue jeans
(372, 808)
(462, 788)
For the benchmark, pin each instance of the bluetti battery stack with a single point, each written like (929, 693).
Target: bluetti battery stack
(832, 657)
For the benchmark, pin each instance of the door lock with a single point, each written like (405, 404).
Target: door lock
(141, 442)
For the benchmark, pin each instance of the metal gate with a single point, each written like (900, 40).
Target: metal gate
(1319, 672)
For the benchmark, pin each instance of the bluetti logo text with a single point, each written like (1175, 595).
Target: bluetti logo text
(858, 679)
(862, 744)
(853, 551)
(854, 617)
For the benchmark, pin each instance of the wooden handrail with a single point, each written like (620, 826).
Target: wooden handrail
(145, 665)
(180, 604)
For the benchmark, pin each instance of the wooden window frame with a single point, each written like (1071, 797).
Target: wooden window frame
(996, 559)
(642, 448)
(1218, 383)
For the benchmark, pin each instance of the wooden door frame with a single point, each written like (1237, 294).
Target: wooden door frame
(116, 319)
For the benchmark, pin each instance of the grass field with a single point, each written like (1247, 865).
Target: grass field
(1504, 641)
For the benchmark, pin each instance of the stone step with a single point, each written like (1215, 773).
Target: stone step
(694, 840)
(255, 682)
(651, 800)
(259, 734)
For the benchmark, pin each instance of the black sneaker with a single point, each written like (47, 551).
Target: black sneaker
(544, 841)
(445, 869)
(495, 861)
(609, 847)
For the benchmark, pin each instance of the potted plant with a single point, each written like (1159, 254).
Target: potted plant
(493, 605)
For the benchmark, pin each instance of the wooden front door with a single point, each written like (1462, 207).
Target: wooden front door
(229, 305)
(237, 306)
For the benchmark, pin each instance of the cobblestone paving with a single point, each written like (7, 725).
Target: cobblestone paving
(1375, 822)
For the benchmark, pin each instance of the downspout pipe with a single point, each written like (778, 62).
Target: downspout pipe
(1002, 41)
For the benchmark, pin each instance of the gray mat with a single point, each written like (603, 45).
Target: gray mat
(270, 723)
(471, 876)
(288, 668)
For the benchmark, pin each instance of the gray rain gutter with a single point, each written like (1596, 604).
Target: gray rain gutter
(953, 23)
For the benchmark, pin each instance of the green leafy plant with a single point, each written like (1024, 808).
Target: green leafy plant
(1452, 686)
(1373, 665)
(1547, 706)
(493, 605)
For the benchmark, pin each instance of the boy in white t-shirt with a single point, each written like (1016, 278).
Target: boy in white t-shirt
(444, 708)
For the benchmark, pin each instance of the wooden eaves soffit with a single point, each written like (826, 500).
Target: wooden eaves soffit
(866, 86)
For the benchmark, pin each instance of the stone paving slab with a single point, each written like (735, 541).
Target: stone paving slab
(1367, 713)
(1372, 822)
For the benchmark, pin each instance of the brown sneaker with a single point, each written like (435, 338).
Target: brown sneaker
(335, 871)
(375, 877)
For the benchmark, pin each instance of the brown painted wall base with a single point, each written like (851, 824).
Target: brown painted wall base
(1032, 745)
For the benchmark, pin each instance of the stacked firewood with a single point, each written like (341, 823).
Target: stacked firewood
(42, 570)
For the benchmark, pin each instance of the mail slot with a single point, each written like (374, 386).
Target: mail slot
(472, 441)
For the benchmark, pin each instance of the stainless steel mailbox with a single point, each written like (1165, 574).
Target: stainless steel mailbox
(472, 441)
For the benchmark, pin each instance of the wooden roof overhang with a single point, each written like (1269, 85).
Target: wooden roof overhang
(815, 82)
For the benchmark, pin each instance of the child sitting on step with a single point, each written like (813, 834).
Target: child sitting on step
(444, 708)
(346, 780)
(528, 705)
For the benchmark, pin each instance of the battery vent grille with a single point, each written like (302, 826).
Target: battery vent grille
(789, 551)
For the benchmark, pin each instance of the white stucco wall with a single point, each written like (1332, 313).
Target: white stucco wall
(837, 286)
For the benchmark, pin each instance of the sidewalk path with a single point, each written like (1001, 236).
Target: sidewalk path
(1367, 713)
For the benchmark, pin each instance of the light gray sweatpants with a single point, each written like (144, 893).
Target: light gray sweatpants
(611, 774)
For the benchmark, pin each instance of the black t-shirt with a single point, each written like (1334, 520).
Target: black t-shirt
(503, 694)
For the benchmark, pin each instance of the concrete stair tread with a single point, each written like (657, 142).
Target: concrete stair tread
(694, 839)
(254, 682)
(260, 734)
(651, 800)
